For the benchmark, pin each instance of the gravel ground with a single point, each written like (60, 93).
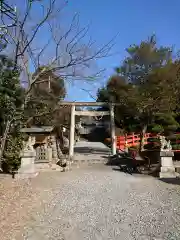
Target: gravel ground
(92, 203)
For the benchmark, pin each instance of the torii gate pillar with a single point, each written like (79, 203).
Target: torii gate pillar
(72, 128)
(87, 113)
(113, 135)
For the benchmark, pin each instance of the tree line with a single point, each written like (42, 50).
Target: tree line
(58, 52)
(146, 83)
(147, 86)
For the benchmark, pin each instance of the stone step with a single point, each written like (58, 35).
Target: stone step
(89, 162)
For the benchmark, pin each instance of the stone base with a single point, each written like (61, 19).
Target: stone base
(167, 166)
(167, 172)
(27, 168)
(167, 175)
(26, 172)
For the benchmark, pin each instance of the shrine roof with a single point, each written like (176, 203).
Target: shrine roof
(34, 129)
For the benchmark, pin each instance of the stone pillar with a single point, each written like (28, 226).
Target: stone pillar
(113, 136)
(167, 166)
(49, 155)
(54, 149)
(27, 168)
(72, 128)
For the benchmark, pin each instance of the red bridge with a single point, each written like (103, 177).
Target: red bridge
(134, 140)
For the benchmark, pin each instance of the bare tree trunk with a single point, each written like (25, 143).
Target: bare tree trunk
(142, 136)
(3, 142)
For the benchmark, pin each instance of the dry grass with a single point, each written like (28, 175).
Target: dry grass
(15, 202)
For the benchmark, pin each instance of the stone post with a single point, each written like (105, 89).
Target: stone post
(54, 150)
(27, 168)
(49, 155)
(167, 166)
(72, 128)
(28, 155)
(113, 137)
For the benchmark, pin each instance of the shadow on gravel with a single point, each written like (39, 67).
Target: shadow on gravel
(122, 164)
(174, 181)
(132, 166)
(112, 161)
(121, 170)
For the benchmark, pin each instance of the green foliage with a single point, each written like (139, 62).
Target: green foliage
(153, 144)
(11, 100)
(103, 95)
(143, 59)
(44, 96)
(156, 128)
(174, 138)
(12, 152)
(133, 148)
(176, 147)
(167, 120)
(147, 87)
(11, 92)
(177, 136)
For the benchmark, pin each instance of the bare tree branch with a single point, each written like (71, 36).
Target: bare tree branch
(73, 54)
(46, 16)
(41, 51)
(69, 52)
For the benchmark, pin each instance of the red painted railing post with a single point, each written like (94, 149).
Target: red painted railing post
(134, 139)
(133, 142)
(125, 141)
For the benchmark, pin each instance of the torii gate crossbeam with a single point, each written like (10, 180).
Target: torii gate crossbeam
(90, 113)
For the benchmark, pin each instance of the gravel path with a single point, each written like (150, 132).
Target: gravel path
(98, 203)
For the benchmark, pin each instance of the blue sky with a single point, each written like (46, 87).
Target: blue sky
(134, 20)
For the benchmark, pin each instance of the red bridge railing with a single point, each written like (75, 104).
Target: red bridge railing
(132, 140)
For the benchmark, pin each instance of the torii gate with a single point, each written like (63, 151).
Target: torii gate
(74, 113)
